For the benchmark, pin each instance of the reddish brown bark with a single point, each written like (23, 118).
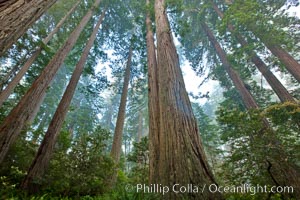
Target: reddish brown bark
(16, 17)
(247, 98)
(280, 169)
(181, 156)
(44, 153)
(153, 101)
(289, 62)
(20, 116)
(11, 86)
(276, 85)
(117, 140)
(116, 148)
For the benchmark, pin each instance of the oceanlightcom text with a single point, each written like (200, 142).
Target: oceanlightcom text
(213, 188)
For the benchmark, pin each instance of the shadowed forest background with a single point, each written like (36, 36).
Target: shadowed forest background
(93, 98)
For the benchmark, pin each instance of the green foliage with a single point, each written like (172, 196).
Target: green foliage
(248, 142)
(77, 169)
(139, 157)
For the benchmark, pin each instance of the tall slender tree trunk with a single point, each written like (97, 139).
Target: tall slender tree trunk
(246, 96)
(44, 153)
(291, 64)
(153, 101)
(16, 17)
(11, 86)
(276, 85)
(26, 108)
(117, 140)
(181, 155)
(281, 171)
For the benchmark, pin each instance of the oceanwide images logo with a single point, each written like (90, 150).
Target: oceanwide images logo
(212, 188)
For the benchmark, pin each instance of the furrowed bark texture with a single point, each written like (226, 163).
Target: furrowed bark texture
(21, 115)
(276, 85)
(11, 86)
(153, 102)
(181, 155)
(44, 153)
(16, 17)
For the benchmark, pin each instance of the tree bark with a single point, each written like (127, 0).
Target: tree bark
(11, 86)
(276, 85)
(181, 156)
(117, 140)
(248, 99)
(26, 108)
(289, 62)
(16, 17)
(285, 173)
(153, 101)
(44, 153)
(292, 66)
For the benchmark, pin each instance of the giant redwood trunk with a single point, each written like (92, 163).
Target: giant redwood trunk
(44, 153)
(275, 84)
(153, 101)
(118, 134)
(25, 110)
(11, 86)
(281, 171)
(181, 156)
(16, 16)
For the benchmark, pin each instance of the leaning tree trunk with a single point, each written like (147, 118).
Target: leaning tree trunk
(16, 17)
(11, 86)
(117, 140)
(25, 110)
(281, 171)
(153, 101)
(290, 63)
(246, 96)
(181, 155)
(275, 84)
(44, 153)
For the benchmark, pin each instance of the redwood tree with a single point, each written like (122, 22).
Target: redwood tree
(251, 14)
(153, 101)
(276, 85)
(11, 85)
(25, 110)
(42, 158)
(118, 133)
(16, 17)
(281, 171)
(181, 155)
